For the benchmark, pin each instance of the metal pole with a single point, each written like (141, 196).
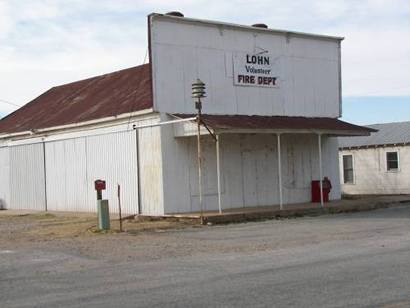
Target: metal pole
(138, 171)
(320, 169)
(200, 163)
(280, 173)
(119, 205)
(218, 172)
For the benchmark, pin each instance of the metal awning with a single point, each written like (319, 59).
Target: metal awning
(274, 124)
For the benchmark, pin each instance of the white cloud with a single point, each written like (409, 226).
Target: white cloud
(49, 42)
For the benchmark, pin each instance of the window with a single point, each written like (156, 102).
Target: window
(392, 161)
(348, 169)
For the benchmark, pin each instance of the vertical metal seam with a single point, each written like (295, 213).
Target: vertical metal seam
(45, 175)
(86, 170)
(138, 172)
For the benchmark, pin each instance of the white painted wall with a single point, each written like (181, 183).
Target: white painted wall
(249, 170)
(308, 70)
(4, 177)
(150, 157)
(74, 163)
(27, 185)
(66, 171)
(370, 171)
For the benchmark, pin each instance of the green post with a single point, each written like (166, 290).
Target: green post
(103, 215)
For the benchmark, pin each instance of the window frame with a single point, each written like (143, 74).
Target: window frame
(353, 182)
(387, 161)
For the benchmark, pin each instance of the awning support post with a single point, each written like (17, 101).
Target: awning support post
(218, 172)
(280, 174)
(320, 169)
(201, 205)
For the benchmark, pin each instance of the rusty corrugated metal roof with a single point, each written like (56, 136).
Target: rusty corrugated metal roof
(103, 96)
(229, 122)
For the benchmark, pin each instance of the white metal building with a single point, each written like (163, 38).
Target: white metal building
(378, 164)
(273, 102)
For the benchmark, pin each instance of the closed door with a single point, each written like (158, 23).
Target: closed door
(259, 177)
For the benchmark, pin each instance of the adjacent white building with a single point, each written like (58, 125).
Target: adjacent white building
(377, 164)
(273, 103)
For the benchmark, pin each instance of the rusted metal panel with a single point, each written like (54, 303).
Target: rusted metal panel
(227, 122)
(107, 95)
(27, 178)
(4, 177)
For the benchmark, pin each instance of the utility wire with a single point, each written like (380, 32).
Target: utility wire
(143, 62)
(10, 103)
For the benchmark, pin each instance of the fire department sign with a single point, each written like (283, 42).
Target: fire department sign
(256, 70)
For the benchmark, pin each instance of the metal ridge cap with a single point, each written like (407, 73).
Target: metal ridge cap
(246, 27)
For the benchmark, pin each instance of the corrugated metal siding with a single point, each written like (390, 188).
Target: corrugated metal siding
(27, 181)
(150, 157)
(74, 164)
(112, 157)
(66, 175)
(4, 178)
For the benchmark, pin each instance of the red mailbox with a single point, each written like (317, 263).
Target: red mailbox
(99, 185)
(326, 185)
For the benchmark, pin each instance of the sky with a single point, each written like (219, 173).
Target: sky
(44, 43)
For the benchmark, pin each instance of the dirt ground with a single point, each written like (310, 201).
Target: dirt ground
(76, 233)
(42, 226)
(22, 229)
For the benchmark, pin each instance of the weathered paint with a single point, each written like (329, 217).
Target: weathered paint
(66, 172)
(4, 177)
(73, 165)
(151, 164)
(370, 171)
(113, 158)
(27, 179)
(249, 172)
(74, 162)
(308, 70)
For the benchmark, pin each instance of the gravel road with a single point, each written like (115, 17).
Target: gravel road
(346, 260)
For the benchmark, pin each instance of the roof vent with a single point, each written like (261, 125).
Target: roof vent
(264, 26)
(175, 13)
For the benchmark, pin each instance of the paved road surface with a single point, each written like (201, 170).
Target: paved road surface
(349, 260)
